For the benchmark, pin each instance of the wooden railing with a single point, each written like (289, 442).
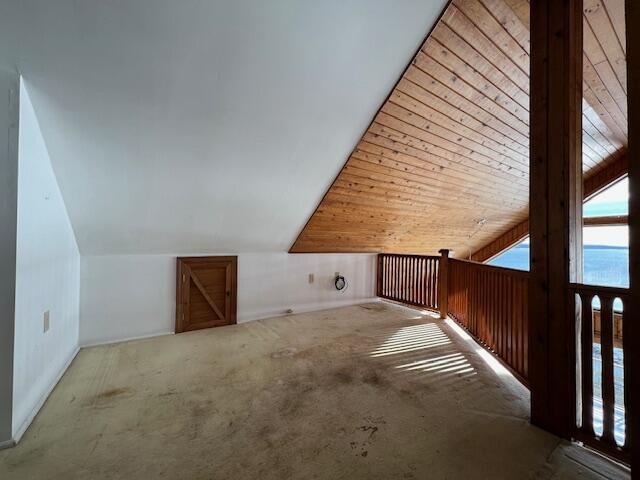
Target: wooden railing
(602, 411)
(492, 304)
(411, 279)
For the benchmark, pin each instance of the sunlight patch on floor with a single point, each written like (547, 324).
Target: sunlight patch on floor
(488, 358)
(453, 362)
(412, 338)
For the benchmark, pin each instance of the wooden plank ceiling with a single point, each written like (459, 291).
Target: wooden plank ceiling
(445, 162)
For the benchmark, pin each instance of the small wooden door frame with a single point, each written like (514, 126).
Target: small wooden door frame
(183, 272)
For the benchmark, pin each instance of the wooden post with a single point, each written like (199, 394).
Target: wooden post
(443, 283)
(632, 310)
(379, 272)
(555, 210)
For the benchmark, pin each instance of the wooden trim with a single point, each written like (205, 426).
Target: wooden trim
(602, 446)
(608, 176)
(580, 288)
(505, 270)
(606, 221)
(504, 242)
(596, 183)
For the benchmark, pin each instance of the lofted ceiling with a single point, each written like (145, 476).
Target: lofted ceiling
(204, 126)
(445, 162)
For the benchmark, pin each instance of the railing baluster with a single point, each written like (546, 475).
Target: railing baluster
(626, 336)
(608, 387)
(385, 276)
(425, 279)
(414, 283)
(405, 277)
(414, 277)
(418, 282)
(387, 280)
(409, 279)
(395, 276)
(423, 263)
(430, 275)
(586, 335)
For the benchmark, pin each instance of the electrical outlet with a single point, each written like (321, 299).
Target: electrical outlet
(311, 278)
(46, 321)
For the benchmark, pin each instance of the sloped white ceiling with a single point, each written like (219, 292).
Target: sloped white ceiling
(205, 126)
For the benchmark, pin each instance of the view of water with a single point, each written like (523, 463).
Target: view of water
(603, 265)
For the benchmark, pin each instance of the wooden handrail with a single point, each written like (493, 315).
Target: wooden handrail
(409, 255)
(599, 290)
(491, 304)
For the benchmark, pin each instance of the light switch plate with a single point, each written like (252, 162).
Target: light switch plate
(46, 321)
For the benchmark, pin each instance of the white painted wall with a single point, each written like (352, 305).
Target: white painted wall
(130, 296)
(206, 126)
(9, 101)
(47, 276)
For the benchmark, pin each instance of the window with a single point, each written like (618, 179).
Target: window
(612, 201)
(516, 257)
(606, 245)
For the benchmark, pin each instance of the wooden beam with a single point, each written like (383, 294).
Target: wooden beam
(631, 326)
(596, 183)
(606, 221)
(609, 175)
(503, 242)
(555, 216)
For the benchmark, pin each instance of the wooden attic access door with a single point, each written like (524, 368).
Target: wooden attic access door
(205, 292)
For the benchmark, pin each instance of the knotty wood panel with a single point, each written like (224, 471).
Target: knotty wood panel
(445, 162)
(604, 177)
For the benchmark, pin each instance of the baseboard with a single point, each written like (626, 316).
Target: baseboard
(255, 315)
(7, 444)
(126, 339)
(25, 425)
(302, 308)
